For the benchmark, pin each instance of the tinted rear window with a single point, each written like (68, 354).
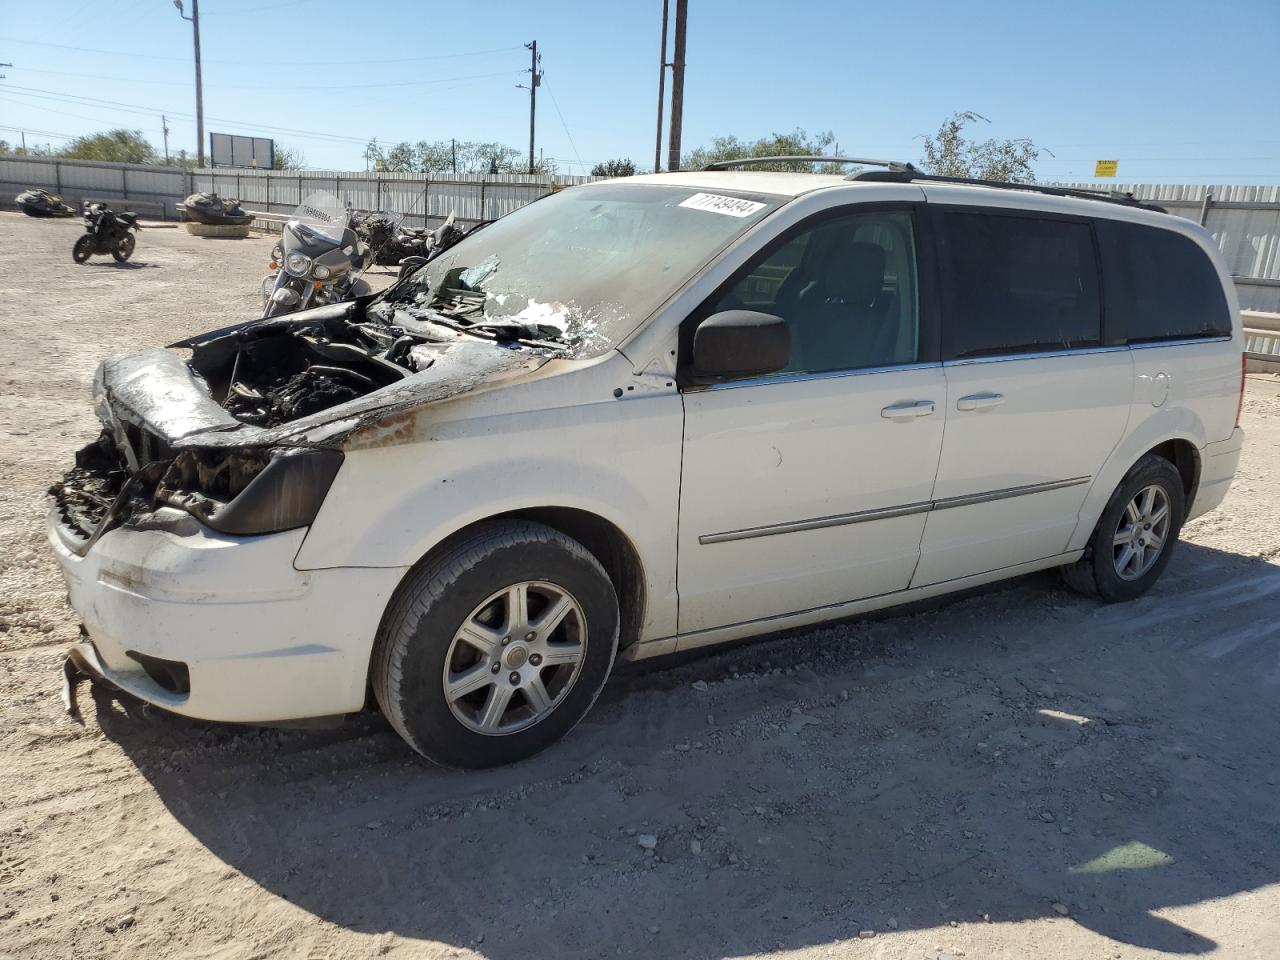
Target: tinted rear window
(1160, 286)
(1019, 285)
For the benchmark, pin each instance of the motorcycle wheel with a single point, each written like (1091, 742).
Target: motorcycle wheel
(123, 250)
(83, 249)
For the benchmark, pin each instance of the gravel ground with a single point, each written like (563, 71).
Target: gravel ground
(1015, 773)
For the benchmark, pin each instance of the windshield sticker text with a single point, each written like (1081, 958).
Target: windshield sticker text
(729, 206)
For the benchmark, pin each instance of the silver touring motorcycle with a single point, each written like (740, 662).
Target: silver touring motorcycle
(319, 259)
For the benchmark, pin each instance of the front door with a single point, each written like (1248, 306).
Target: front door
(810, 487)
(1036, 400)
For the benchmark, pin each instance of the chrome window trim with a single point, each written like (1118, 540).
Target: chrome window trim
(1180, 342)
(1081, 351)
(1036, 355)
(885, 513)
(823, 375)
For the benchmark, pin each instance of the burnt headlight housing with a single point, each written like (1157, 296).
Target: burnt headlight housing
(251, 491)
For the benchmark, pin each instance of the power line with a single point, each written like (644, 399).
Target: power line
(275, 86)
(39, 133)
(259, 62)
(151, 111)
(555, 103)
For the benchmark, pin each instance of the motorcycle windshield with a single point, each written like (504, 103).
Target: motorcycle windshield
(322, 215)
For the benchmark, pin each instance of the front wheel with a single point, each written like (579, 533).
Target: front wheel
(497, 646)
(1135, 536)
(83, 249)
(123, 249)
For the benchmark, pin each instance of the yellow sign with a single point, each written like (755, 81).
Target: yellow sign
(1105, 168)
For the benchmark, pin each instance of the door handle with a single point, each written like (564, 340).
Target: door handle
(980, 401)
(907, 409)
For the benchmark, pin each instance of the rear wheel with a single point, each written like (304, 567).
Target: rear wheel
(497, 646)
(123, 249)
(1135, 536)
(83, 249)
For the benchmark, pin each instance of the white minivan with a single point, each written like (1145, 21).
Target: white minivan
(641, 416)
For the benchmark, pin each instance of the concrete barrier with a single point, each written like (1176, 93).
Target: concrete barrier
(1261, 341)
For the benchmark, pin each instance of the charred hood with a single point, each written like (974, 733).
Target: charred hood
(309, 377)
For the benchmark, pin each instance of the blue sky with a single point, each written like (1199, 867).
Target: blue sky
(1176, 91)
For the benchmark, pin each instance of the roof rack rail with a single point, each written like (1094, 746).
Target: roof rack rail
(913, 175)
(892, 165)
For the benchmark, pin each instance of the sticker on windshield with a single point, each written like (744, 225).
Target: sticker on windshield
(729, 206)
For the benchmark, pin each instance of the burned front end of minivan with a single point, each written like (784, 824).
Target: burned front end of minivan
(178, 527)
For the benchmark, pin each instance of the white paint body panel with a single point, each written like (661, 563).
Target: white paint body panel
(261, 640)
(1059, 419)
(802, 449)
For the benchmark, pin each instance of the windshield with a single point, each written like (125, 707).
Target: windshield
(587, 265)
(322, 213)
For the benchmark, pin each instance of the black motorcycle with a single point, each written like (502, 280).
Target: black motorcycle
(106, 232)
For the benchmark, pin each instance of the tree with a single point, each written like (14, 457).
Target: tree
(119, 146)
(35, 150)
(949, 153)
(288, 158)
(797, 143)
(614, 168)
(440, 156)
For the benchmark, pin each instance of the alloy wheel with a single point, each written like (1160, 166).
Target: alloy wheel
(1142, 533)
(515, 657)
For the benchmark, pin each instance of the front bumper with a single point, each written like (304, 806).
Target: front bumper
(261, 641)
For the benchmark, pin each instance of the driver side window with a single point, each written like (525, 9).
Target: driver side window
(847, 288)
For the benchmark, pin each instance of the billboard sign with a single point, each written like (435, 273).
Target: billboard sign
(231, 150)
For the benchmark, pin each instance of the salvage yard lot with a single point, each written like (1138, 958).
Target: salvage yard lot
(1016, 773)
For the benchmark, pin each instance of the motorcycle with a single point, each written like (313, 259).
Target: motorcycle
(106, 232)
(392, 243)
(431, 243)
(42, 203)
(318, 260)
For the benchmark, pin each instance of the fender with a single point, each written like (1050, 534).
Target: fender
(617, 460)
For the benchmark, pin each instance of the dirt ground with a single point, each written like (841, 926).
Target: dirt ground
(1018, 773)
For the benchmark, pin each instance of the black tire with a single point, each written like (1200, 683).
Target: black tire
(419, 626)
(83, 249)
(1095, 573)
(123, 249)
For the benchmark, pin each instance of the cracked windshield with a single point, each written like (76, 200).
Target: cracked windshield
(582, 268)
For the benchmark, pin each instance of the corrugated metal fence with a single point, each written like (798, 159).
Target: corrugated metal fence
(1245, 220)
(153, 188)
(422, 200)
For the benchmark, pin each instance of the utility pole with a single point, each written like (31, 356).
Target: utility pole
(535, 77)
(453, 151)
(677, 87)
(195, 31)
(164, 123)
(662, 91)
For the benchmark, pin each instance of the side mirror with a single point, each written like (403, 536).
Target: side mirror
(734, 344)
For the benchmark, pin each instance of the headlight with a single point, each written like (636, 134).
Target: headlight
(248, 492)
(321, 272)
(298, 264)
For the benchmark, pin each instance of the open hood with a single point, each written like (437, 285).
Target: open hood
(307, 378)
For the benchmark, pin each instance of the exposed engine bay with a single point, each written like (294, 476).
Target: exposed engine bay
(280, 372)
(223, 436)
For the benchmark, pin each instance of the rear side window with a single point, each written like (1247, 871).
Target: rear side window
(1160, 286)
(1019, 285)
